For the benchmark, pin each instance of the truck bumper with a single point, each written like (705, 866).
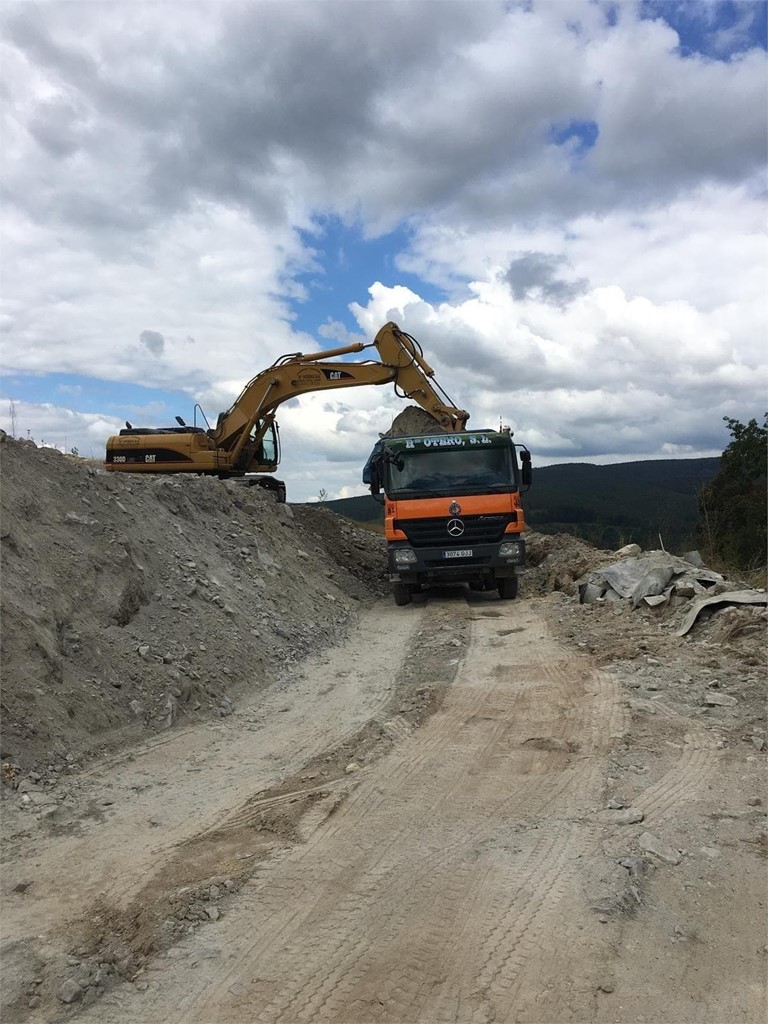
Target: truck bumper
(482, 563)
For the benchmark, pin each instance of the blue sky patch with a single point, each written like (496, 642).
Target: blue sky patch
(347, 265)
(585, 133)
(718, 30)
(611, 14)
(106, 398)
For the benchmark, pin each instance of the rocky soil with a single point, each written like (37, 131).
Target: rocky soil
(195, 677)
(131, 603)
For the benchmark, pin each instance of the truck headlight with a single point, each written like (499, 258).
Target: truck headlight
(510, 549)
(404, 556)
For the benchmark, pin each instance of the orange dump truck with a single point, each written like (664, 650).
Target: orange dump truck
(452, 511)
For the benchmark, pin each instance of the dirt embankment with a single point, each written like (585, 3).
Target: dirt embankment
(132, 602)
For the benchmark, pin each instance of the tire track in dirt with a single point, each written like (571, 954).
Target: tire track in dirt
(472, 820)
(687, 776)
(104, 867)
(130, 880)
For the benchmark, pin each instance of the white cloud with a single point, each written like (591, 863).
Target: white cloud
(665, 122)
(58, 426)
(212, 274)
(608, 373)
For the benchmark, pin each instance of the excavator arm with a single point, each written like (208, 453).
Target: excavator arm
(402, 364)
(236, 444)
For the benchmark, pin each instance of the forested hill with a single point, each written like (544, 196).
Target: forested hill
(608, 505)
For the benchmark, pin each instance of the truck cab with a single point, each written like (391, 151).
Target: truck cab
(452, 509)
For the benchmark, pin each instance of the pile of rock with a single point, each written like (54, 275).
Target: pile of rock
(413, 420)
(654, 577)
(657, 579)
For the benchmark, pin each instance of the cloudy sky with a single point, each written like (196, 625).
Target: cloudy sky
(563, 201)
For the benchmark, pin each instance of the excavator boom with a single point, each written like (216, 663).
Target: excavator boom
(244, 439)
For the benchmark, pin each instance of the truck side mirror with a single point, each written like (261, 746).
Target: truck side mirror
(526, 474)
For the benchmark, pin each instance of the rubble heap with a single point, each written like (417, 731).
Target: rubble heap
(130, 602)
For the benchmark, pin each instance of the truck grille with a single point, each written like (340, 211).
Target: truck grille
(446, 565)
(425, 533)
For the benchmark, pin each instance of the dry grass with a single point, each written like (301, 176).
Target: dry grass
(757, 579)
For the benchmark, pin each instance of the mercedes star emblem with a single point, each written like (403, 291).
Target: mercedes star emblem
(455, 527)
(454, 508)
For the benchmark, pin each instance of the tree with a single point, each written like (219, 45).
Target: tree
(733, 506)
(322, 495)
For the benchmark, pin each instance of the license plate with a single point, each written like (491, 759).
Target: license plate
(458, 553)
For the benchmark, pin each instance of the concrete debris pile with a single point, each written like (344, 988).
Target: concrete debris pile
(657, 579)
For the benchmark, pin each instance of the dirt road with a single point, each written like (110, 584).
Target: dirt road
(414, 831)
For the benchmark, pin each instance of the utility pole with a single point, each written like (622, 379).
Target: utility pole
(13, 418)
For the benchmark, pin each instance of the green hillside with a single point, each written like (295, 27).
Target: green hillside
(607, 505)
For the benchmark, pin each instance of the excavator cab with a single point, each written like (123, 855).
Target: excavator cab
(270, 445)
(262, 449)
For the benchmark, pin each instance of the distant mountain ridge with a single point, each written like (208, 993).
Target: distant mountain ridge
(607, 505)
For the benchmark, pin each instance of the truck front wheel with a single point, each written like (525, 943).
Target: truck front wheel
(507, 587)
(403, 593)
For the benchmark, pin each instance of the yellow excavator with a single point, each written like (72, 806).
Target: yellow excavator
(245, 439)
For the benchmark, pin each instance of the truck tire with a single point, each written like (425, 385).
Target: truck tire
(507, 587)
(402, 593)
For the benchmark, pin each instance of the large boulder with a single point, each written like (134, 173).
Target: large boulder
(414, 420)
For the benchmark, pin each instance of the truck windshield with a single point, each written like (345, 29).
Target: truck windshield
(444, 472)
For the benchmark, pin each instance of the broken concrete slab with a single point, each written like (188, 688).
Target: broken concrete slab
(651, 584)
(592, 592)
(730, 597)
(644, 577)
